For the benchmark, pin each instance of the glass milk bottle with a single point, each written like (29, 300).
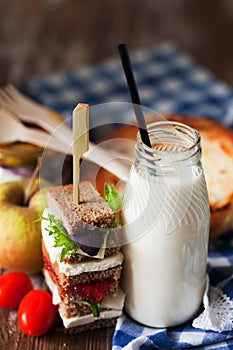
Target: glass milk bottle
(166, 227)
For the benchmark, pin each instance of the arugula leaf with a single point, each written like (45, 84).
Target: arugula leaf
(113, 199)
(56, 229)
(95, 307)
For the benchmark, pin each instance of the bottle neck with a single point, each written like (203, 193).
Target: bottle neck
(174, 145)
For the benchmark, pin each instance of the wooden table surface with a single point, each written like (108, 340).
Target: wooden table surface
(12, 338)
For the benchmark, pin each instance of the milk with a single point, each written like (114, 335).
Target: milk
(166, 227)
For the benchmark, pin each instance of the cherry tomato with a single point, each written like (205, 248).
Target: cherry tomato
(13, 287)
(36, 313)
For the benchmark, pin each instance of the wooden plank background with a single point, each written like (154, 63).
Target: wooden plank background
(43, 36)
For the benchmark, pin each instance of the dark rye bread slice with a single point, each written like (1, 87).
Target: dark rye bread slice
(90, 212)
(86, 222)
(77, 309)
(98, 323)
(68, 294)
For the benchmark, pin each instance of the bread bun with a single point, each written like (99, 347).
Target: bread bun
(217, 160)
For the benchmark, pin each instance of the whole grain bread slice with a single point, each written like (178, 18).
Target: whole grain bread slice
(90, 212)
(86, 222)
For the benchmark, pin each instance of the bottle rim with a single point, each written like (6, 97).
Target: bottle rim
(170, 134)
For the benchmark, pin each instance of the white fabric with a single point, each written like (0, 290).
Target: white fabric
(218, 310)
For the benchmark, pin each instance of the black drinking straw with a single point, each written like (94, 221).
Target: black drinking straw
(125, 60)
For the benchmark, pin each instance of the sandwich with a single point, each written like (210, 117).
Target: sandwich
(82, 256)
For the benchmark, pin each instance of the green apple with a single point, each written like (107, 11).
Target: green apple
(20, 233)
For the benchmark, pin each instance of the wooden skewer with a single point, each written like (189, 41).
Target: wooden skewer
(80, 143)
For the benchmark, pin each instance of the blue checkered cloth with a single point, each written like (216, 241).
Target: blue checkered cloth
(169, 81)
(129, 335)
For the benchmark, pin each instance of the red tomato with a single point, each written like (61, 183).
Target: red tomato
(13, 287)
(36, 313)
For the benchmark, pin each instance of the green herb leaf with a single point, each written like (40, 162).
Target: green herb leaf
(56, 229)
(95, 307)
(112, 197)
